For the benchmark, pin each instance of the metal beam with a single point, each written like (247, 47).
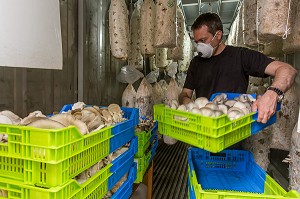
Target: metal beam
(189, 4)
(230, 1)
(199, 6)
(219, 7)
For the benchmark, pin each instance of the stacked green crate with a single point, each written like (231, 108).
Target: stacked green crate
(146, 150)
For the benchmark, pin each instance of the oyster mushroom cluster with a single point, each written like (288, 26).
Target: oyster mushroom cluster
(145, 125)
(3, 193)
(116, 187)
(85, 175)
(86, 118)
(234, 109)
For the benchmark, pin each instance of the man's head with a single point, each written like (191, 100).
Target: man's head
(211, 20)
(208, 30)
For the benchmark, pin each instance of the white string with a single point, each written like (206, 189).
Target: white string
(257, 40)
(287, 23)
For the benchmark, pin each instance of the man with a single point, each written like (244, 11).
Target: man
(221, 68)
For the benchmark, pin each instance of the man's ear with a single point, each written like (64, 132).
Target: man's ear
(219, 34)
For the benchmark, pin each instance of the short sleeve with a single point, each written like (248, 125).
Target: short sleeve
(189, 84)
(255, 63)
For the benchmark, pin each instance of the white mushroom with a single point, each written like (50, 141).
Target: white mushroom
(234, 113)
(190, 106)
(212, 106)
(107, 117)
(94, 124)
(87, 115)
(68, 120)
(251, 98)
(78, 105)
(46, 124)
(36, 114)
(28, 120)
(223, 108)
(218, 113)
(239, 105)
(245, 111)
(230, 103)
(13, 117)
(195, 110)
(5, 120)
(175, 103)
(220, 99)
(201, 101)
(181, 108)
(92, 109)
(205, 111)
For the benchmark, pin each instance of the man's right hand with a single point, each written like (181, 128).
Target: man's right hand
(185, 96)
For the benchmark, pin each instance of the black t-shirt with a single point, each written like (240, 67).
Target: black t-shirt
(227, 72)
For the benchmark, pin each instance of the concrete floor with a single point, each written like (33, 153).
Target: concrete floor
(140, 193)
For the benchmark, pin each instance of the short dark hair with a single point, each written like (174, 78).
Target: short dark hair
(211, 20)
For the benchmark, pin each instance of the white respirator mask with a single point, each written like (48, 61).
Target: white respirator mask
(205, 50)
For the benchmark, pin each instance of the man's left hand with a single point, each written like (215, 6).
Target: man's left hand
(266, 106)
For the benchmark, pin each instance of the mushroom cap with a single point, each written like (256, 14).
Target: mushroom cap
(201, 101)
(218, 113)
(68, 120)
(223, 108)
(230, 103)
(206, 111)
(181, 108)
(190, 106)
(78, 105)
(13, 117)
(212, 106)
(5, 120)
(196, 110)
(46, 124)
(114, 108)
(239, 105)
(28, 120)
(175, 102)
(220, 99)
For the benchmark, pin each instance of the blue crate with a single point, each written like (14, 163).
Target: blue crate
(255, 126)
(191, 190)
(125, 190)
(122, 132)
(120, 139)
(231, 170)
(122, 164)
(154, 131)
(153, 149)
(131, 114)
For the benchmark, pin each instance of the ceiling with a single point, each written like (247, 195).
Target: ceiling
(227, 10)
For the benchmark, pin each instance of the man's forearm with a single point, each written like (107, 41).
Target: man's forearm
(284, 78)
(184, 99)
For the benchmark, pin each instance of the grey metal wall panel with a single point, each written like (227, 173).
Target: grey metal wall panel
(26, 90)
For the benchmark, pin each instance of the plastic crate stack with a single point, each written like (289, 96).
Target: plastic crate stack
(42, 163)
(147, 145)
(230, 173)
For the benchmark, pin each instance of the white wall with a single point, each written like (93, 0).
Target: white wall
(30, 34)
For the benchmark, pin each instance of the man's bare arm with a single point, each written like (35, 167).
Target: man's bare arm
(185, 96)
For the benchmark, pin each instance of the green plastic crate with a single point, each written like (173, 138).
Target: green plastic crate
(142, 166)
(143, 142)
(212, 134)
(94, 187)
(210, 126)
(48, 145)
(49, 162)
(272, 191)
(203, 141)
